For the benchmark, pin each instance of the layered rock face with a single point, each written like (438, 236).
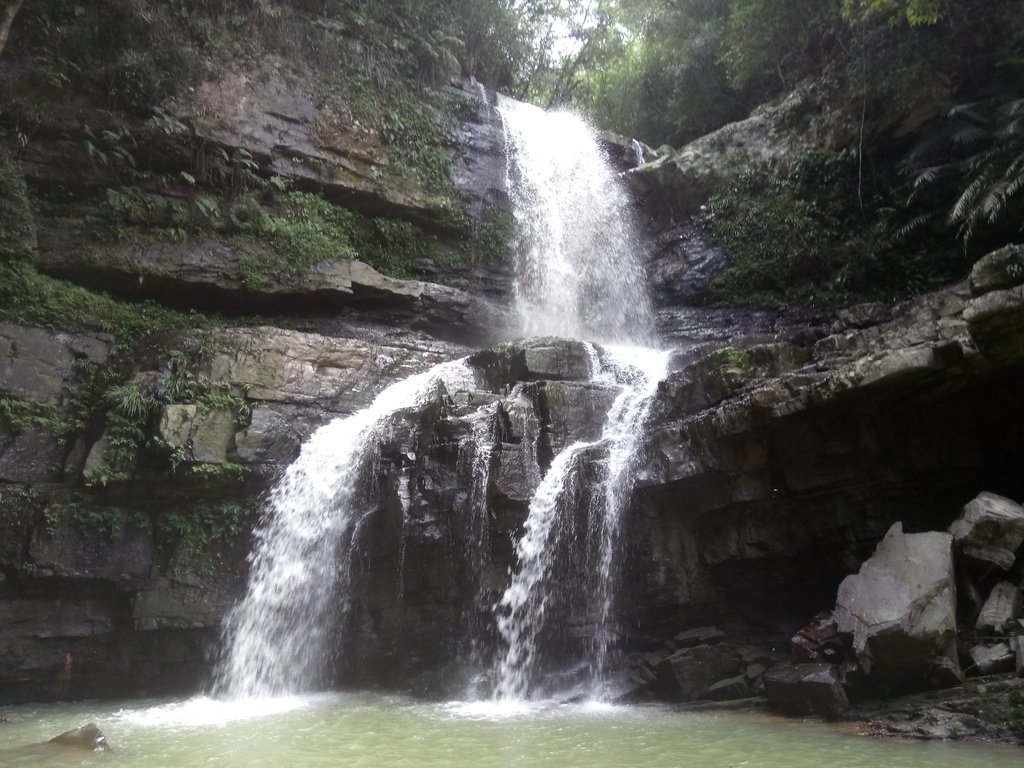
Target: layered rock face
(772, 472)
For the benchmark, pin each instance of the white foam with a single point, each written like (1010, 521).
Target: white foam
(203, 712)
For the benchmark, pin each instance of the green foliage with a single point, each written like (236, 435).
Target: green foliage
(418, 143)
(804, 239)
(185, 532)
(188, 533)
(916, 12)
(126, 439)
(729, 364)
(18, 415)
(130, 401)
(765, 40)
(105, 521)
(30, 298)
(490, 240)
(975, 159)
(17, 230)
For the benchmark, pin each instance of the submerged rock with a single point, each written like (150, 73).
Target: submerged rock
(87, 737)
(900, 610)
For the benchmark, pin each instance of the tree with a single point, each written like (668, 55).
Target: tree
(914, 11)
(7, 21)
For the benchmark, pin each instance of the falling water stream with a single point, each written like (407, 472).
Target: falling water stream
(279, 637)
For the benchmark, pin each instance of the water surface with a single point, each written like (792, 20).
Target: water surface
(373, 731)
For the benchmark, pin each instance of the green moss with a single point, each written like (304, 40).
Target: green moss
(182, 532)
(417, 141)
(30, 298)
(490, 240)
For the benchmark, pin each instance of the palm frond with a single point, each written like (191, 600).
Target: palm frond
(965, 203)
(913, 225)
(971, 134)
(968, 111)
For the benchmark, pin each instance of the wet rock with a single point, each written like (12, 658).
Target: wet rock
(67, 552)
(682, 266)
(35, 363)
(818, 641)
(87, 737)
(205, 436)
(1001, 609)
(171, 604)
(689, 673)
(992, 659)
(990, 529)
(336, 375)
(1017, 645)
(997, 270)
(275, 431)
(687, 176)
(806, 689)
(730, 688)
(44, 619)
(900, 610)
(754, 676)
(699, 636)
(575, 411)
(32, 456)
(537, 359)
(517, 474)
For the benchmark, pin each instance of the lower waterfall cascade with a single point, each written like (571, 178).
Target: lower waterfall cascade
(578, 278)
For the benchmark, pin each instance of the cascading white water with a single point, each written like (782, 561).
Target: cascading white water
(577, 271)
(278, 639)
(578, 276)
(641, 370)
(522, 610)
(474, 470)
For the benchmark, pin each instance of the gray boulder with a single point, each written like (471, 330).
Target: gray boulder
(990, 529)
(690, 673)
(806, 689)
(900, 612)
(992, 659)
(1003, 606)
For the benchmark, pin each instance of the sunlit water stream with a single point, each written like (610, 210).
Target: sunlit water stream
(389, 732)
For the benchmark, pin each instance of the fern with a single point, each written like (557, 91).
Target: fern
(982, 145)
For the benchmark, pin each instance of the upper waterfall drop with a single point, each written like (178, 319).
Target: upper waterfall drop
(577, 269)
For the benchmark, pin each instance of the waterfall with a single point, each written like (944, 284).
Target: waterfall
(279, 638)
(577, 272)
(577, 276)
(523, 609)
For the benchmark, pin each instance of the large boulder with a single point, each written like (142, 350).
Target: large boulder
(990, 529)
(806, 689)
(900, 612)
(690, 673)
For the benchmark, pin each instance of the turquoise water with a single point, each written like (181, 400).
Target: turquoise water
(355, 730)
